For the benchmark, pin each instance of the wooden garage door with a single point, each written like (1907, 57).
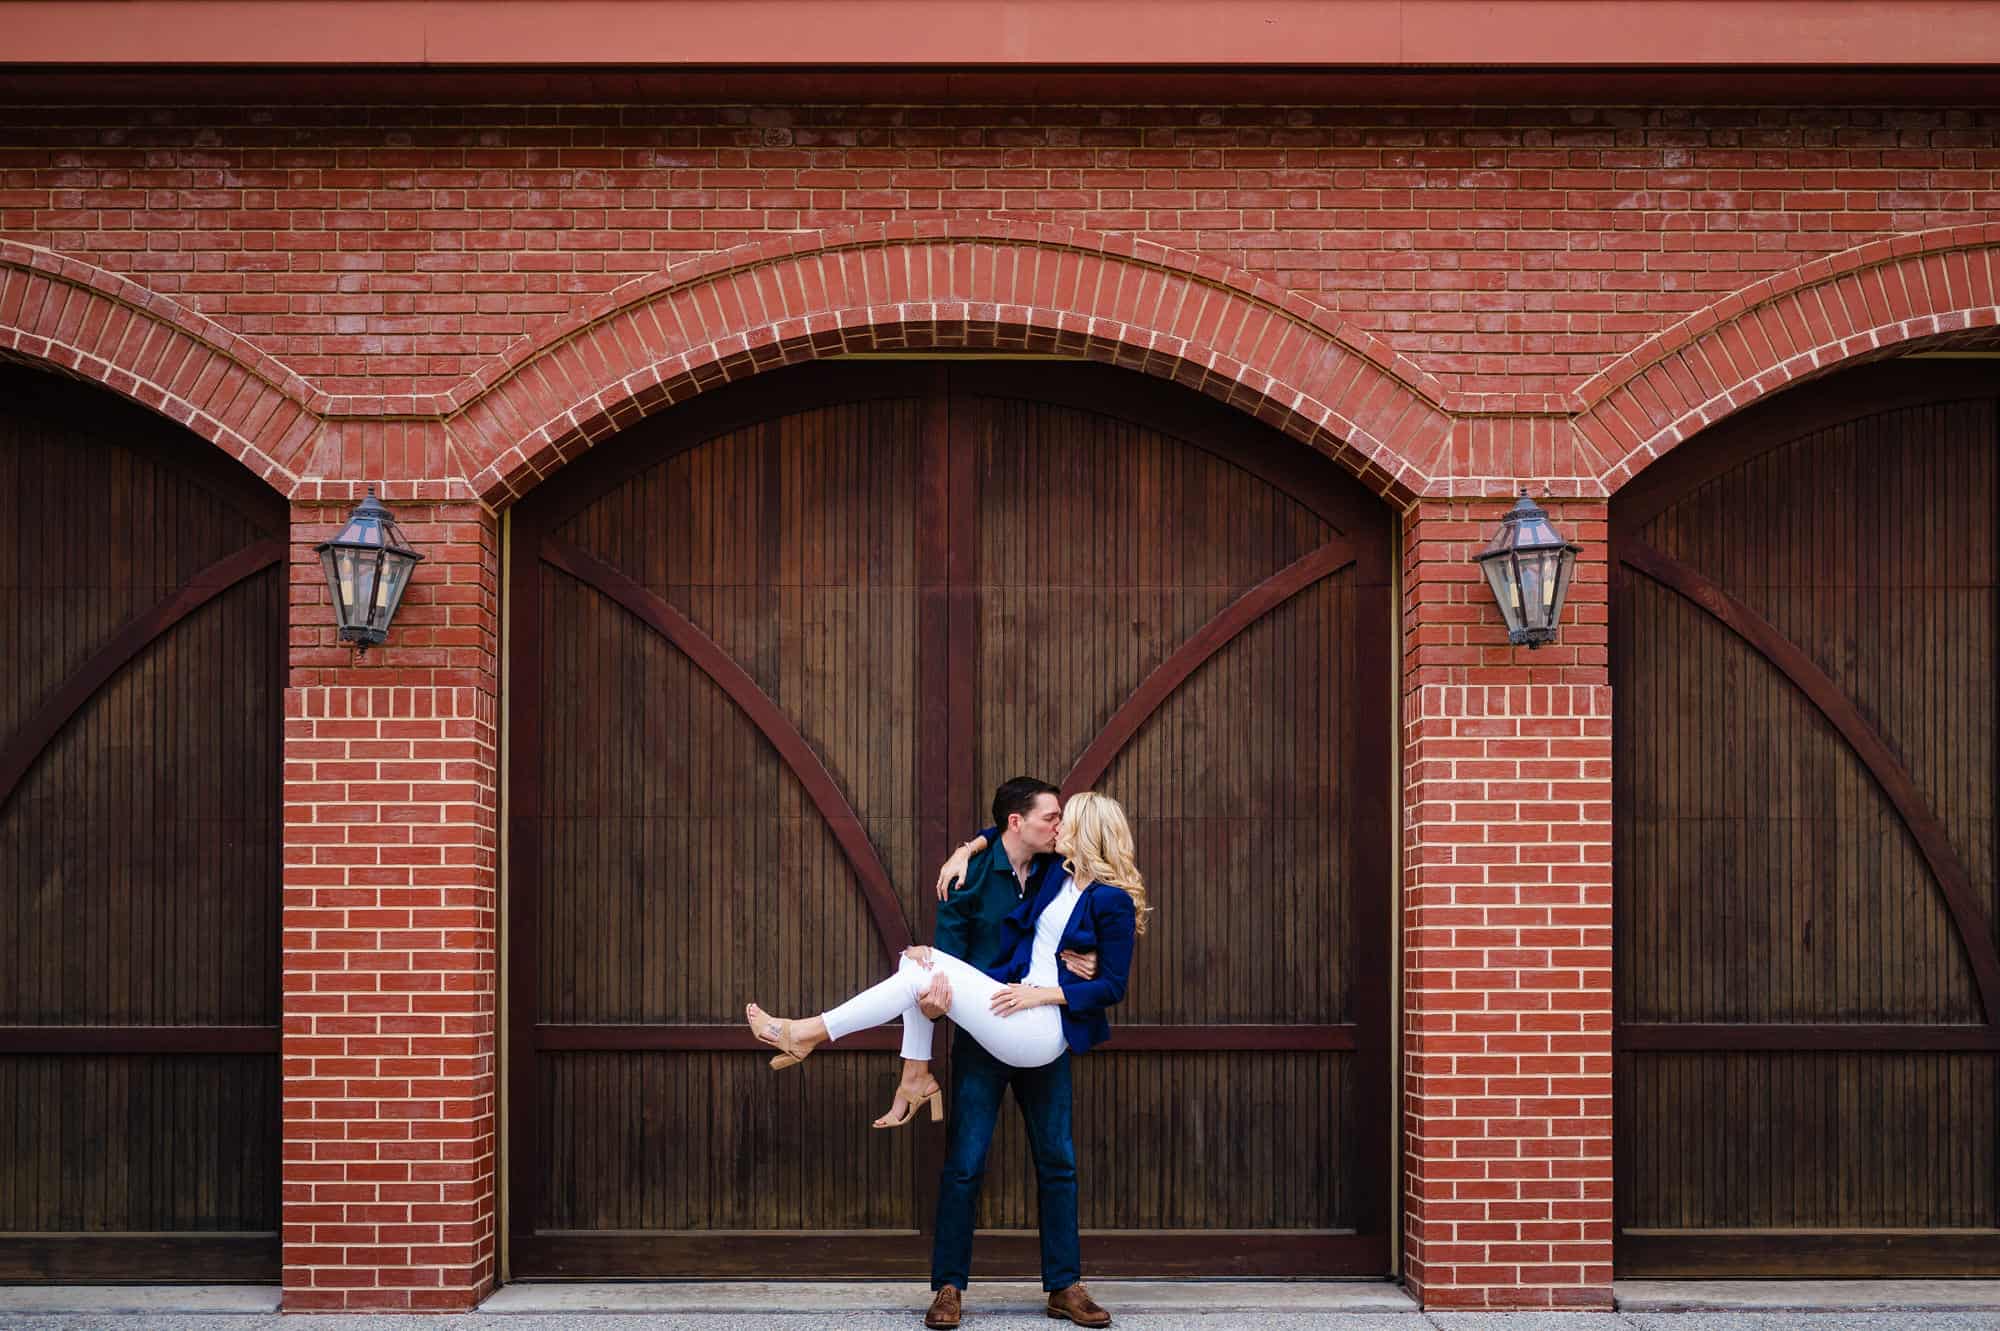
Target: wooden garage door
(770, 654)
(142, 642)
(1803, 652)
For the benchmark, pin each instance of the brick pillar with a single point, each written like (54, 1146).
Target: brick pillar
(391, 850)
(1507, 928)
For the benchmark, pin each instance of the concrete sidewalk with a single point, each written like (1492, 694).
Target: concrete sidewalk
(1017, 1319)
(1002, 1306)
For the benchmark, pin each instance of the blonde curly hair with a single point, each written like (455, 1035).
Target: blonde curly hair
(1096, 847)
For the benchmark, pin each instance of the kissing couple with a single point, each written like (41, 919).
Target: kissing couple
(1034, 942)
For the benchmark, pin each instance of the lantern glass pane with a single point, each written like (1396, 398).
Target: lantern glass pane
(1505, 592)
(329, 562)
(389, 589)
(1536, 586)
(344, 576)
(1548, 599)
(366, 565)
(1565, 566)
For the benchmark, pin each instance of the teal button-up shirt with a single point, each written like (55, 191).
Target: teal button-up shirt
(968, 921)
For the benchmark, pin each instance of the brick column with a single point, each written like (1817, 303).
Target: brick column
(391, 850)
(1507, 928)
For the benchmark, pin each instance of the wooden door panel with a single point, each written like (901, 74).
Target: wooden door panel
(683, 866)
(140, 744)
(1886, 582)
(1105, 545)
(117, 1144)
(798, 560)
(1751, 1141)
(724, 807)
(1238, 774)
(786, 644)
(1224, 1143)
(717, 1142)
(145, 832)
(101, 532)
(1793, 882)
(1803, 634)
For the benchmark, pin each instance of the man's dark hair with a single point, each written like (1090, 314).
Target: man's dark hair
(1018, 795)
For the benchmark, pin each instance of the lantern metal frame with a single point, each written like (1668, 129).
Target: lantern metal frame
(1528, 567)
(372, 561)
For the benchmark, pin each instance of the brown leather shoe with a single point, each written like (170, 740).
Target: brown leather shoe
(944, 1308)
(1076, 1304)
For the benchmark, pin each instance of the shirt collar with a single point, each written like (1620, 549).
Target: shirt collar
(1003, 867)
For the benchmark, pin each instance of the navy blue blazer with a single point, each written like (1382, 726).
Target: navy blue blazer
(1103, 922)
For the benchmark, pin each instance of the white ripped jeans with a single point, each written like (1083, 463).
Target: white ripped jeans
(1029, 1039)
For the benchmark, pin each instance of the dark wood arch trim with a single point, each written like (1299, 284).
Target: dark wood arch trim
(246, 1257)
(626, 1038)
(763, 713)
(20, 749)
(1803, 1037)
(139, 1039)
(1114, 1253)
(1721, 1254)
(1805, 675)
(1204, 643)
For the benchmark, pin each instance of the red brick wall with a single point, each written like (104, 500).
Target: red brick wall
(1505, 250)
(358, 253)
(1506, 928)
(390, 925)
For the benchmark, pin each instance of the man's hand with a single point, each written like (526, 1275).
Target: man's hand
(1014, 998)
(953, 870)
(1083, 965)
(919, 954)
(935, 1000)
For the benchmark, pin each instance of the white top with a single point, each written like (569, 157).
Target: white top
(1049, 931)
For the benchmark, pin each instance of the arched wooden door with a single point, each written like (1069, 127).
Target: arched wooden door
(142, 660)
(1808, 993)
(770, 654)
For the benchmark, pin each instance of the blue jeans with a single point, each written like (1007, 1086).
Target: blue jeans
(978, 1083)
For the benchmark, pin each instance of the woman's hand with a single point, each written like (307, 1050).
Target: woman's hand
(1014, 998)
(1020, 997)
(952, 871)
(1083, 965)
(954, 868)
(919, 954)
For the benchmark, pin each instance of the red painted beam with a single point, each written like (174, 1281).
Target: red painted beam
(1004, 34)
(1215, 85)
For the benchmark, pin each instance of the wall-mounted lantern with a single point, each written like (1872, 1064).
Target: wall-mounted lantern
(367, 567)
(1528, 565)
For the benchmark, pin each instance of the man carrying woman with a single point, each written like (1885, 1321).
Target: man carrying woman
(1023, 985)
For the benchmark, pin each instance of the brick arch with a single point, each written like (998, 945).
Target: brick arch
(991, 285)
(62, 314)
(1925, 290)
